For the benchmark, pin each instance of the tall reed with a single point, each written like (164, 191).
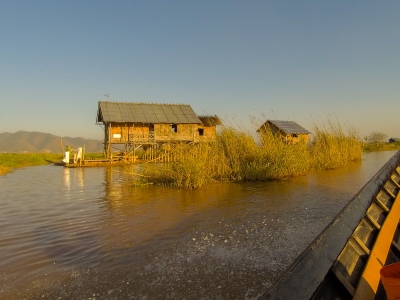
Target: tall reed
(238, 153)
(284, 160)
(332, 148)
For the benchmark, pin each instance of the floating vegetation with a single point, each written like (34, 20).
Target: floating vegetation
(235, 156)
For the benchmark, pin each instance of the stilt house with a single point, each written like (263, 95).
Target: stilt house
(289, 131)
(135, 124)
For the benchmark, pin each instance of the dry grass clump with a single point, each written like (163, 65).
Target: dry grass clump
(4, 170)
(190, 167)
(332, 148)
(284, 160)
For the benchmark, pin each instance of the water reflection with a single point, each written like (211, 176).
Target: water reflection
(67, 178)
(87, 232)
(73, 178)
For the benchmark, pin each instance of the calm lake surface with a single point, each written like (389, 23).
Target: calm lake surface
(85, 233)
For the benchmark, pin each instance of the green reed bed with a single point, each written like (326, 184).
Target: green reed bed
(94, 155)
(235, 156)
(372, 147)
(10, 161)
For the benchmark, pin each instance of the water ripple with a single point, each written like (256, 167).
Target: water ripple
(86, 233)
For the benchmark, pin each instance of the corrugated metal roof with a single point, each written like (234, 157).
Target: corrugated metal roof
(137, 112)
(289, 127)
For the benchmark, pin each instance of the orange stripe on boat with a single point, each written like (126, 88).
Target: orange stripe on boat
(369, 282)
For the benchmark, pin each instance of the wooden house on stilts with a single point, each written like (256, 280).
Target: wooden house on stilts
(289, 131)
(135, 124)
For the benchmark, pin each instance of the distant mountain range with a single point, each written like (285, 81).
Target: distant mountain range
(26, 141)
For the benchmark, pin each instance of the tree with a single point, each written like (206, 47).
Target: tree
(377, 137)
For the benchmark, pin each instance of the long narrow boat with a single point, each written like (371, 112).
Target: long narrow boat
(345, 260)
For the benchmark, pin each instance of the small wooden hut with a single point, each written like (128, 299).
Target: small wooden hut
(289, 131)
(135, 124)
(208, 128)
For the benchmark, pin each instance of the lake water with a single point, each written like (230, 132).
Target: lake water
(85, 233)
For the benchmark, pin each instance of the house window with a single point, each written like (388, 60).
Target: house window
(174, 128)
(201, 131)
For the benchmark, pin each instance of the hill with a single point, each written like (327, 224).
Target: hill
(32, 141)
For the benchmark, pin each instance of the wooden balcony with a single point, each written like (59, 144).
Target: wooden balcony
(152, 138)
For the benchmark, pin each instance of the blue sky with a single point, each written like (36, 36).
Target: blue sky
(305, 61)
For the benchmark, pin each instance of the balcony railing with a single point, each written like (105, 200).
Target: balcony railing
(141, 137)
(151, 138)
